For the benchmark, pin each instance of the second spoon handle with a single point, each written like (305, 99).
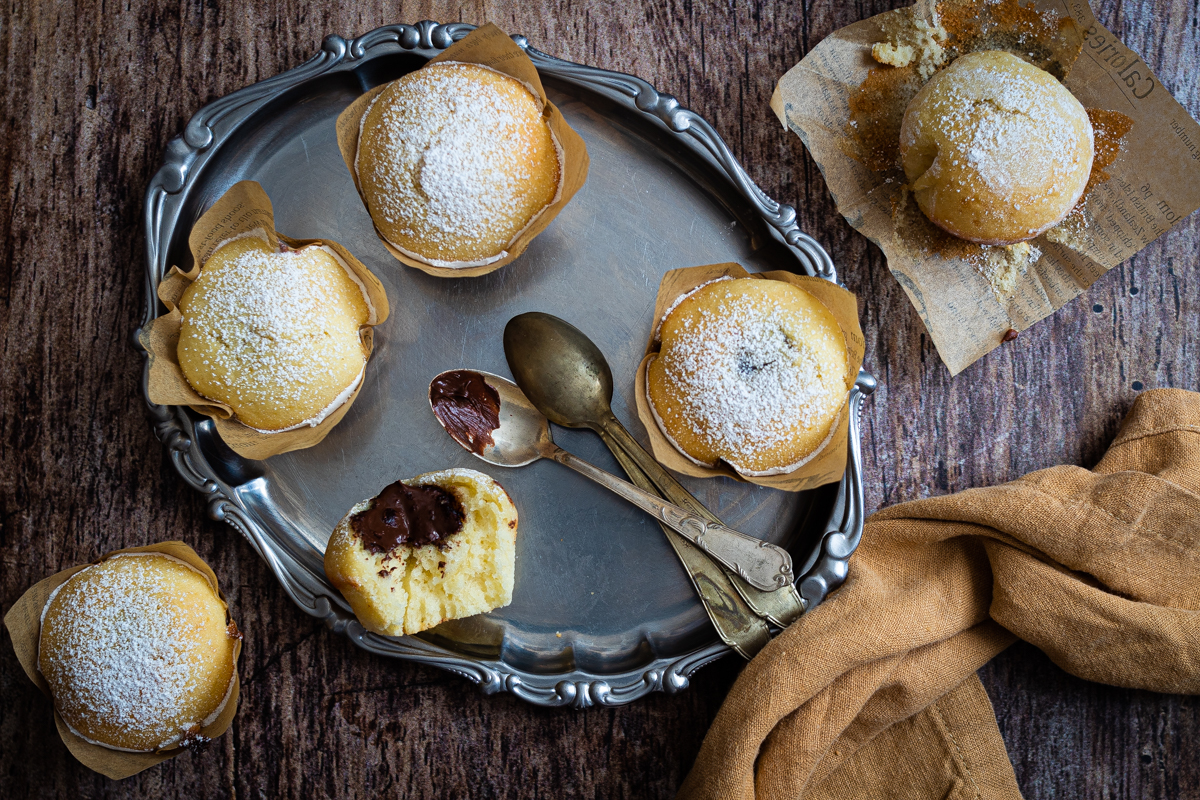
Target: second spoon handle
(759, 563)
(736, 622)
(783, 606)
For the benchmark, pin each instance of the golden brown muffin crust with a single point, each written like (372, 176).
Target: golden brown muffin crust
(137, 652)
(275, 335)
(751, 372)
(996, 150)
(454, 161)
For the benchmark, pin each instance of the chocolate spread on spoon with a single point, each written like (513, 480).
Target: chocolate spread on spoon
(467, 407)
(410, 515)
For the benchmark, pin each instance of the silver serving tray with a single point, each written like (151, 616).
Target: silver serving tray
(602, 613)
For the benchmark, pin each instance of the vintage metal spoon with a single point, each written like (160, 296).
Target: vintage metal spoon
(523, 436)
(567, 378)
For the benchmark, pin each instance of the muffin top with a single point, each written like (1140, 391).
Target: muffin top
(137, 652)
(996, 150)
(751, 372)
(274, 333)
(455, 161)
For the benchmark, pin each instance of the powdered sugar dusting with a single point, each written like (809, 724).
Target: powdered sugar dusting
(1015, 115)
(744, 377)
(1017, 134)
(449, 171)
(126, 653)
(680, 299)
(279, 342)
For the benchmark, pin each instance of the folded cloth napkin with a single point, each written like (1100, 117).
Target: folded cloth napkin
(874, 693)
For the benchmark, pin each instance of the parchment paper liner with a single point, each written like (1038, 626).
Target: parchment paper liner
(242, 209)
(24, 623)
(1154, 183)
(490, 47)
(828, 462)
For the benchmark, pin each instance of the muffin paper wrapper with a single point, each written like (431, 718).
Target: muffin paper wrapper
(1153, 183)
(490, 47)
(24, 623)
(243, 209)
(828, 462)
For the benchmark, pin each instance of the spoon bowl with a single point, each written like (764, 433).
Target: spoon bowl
(560, 369)
(524, 434)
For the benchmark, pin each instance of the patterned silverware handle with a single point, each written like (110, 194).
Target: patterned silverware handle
(735, 620)
(759, 563)
(781, 605)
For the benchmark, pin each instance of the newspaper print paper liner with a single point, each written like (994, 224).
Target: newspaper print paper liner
(824, 465)
(490, 47)
(1152, 185)
(24, 623)
(242, 210)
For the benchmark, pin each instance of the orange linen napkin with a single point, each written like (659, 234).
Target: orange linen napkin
(874, 693)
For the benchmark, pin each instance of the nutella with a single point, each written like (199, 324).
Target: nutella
(408, 515)
(467, 407)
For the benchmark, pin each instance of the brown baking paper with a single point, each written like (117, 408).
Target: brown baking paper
(1153, 183)
(828, 463)
(24, 623)
(490, 47)
(242, 209)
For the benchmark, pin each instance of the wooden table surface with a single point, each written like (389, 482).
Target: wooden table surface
(91, 95)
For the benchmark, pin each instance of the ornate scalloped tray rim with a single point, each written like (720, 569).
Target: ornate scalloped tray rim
(184, 156)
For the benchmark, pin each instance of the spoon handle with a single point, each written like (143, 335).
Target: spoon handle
(735, 619)
(759, 563)
(783, 606)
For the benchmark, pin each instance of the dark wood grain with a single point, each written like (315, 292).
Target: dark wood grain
(91, 95)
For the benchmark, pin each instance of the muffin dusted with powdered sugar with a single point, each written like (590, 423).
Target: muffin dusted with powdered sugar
(138, 652)
(274, 333)
(995, 150)
(455, 161)
(751, 373)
